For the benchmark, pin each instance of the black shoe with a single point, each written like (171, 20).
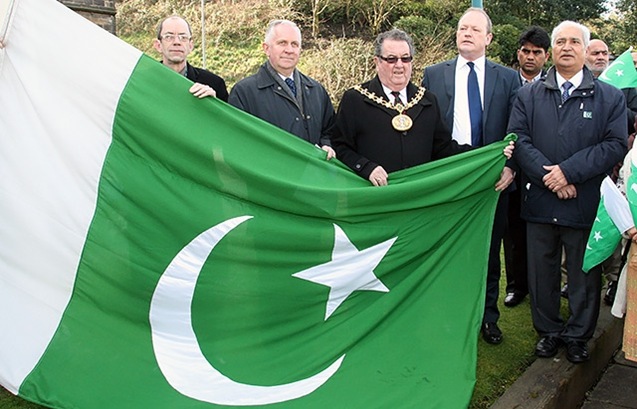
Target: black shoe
(491, 333)
(576, 352)
(611, 290)
(513, 299)
(564, 291)
(548, 346)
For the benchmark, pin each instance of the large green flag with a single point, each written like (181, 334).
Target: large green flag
(621, 73)
(161, 251)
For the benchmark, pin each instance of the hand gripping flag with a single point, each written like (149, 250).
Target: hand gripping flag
(621, 73)
(613, 218)
(162, 251)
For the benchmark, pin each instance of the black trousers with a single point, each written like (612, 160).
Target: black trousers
(491, 312)
(544, 250)
(515, 246)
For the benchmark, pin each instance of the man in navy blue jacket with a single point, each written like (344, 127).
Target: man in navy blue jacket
(572, 131)
(497, 86)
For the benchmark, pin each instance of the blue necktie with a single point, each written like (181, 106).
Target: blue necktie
(475, 106)
(566, 86)
(291, 84)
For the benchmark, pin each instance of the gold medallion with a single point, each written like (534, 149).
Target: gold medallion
(401, 122)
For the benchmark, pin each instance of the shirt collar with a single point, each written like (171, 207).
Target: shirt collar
(388, 92)
(478, 63)
(576, 80)
(525, 81)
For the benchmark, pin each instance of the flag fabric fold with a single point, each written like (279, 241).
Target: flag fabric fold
(613, 218)
(621, 72)
(169, 252)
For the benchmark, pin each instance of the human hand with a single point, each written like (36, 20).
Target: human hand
(202, 90)
(330, 152)
(555, 179)
(567, 192)
(506, 178)
(508, 150)
(378, 177)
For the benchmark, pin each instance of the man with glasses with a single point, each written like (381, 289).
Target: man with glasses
(388, 123)
(475, 97)
(283, 96)
(174, 43)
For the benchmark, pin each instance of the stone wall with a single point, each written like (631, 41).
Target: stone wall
(100, 12)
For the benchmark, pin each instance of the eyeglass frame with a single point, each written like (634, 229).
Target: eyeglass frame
(394, 60)
(170, 37)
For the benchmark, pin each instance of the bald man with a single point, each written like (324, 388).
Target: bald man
(597, 60)
(174, 43)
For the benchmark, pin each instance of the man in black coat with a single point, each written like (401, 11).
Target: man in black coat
(282, 95)
(572, 131)
(174, 43)
(388, 124)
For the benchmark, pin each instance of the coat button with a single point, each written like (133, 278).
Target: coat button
(555, 220)
(358, 166)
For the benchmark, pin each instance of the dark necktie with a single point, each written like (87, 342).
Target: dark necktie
(566, 86)
(291, 84)
(475, 106)
(397, 99)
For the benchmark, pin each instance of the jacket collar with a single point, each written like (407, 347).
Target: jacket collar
(267, 77)
(588, 82)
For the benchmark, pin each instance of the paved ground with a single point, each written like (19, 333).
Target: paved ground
(558, 384)
(617, 388)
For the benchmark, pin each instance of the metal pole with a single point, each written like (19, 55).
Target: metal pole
(203, 34)
(476, 3)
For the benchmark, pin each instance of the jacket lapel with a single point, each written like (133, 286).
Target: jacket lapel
(449, 77)
(490, 79)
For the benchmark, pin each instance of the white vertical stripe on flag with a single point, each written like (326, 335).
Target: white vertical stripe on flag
(61, 77)
(616, 205)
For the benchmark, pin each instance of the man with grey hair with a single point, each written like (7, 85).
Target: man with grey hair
(572, 131)
(283, 96)
(475, 97)
(388, 123)
(174, 43)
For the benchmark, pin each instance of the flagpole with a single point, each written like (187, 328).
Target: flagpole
(203, 34)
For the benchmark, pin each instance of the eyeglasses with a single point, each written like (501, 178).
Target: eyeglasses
(169, 37)
(394, 60)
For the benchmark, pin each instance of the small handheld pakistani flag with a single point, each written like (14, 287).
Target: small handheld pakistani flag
(613, 218)
(621, 73)
(631, 186)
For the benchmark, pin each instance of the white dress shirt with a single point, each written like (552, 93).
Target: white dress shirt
(461, 119)
(403, 95)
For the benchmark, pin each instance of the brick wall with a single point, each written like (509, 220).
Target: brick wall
(100, 12)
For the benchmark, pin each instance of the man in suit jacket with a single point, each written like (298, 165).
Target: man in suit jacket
(533, 52)
(174, 43)
(451, 82)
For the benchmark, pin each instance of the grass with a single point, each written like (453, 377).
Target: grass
(498, 365)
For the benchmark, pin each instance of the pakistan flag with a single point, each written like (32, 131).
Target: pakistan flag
(162, 251)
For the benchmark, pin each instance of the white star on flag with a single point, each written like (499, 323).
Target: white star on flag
(619, 73)
(349, 270)
(598, 236)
